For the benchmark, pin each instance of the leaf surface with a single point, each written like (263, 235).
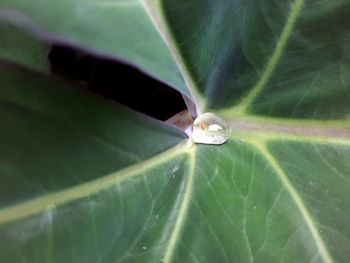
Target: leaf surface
(270, 58)
(277, 191)
(18, 46)
(121, 29)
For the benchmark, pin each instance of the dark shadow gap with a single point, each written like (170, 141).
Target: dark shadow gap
(116, 81)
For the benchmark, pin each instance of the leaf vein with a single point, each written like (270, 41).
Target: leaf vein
(39, 204)
(183, 211)
(274, 59)
(298, 201)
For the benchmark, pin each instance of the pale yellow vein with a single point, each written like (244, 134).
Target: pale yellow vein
(183, 211)
(273, 62)
(48, 201)
(161, 25)
(321, 246)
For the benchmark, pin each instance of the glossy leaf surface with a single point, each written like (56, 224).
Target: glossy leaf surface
(106, 185)
(20, 47)
(121, 29)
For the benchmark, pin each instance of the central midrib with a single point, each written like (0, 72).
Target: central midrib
(302, 128)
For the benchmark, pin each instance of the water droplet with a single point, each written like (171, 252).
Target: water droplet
(216, 172)
(321, 229)
(156, 216)
(144, 247)
(173, 176)
(175, 169)
(209, 128)
(254, 207)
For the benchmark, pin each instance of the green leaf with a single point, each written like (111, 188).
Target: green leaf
(268, 203)
(124, 30)
(277, 191)
(56, 144)
(273, 58)
(19, 47)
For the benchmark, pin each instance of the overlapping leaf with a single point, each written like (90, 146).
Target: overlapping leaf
(20, 47)
(121, 29)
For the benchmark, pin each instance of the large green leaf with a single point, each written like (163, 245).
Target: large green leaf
(20, 47)
(56, 143)
(277, 191)
(273, 58)
(268, 204)
(121, 29)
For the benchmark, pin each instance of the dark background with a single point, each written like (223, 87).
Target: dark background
(116, 81)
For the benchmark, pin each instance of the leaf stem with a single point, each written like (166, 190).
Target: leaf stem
(334, 131)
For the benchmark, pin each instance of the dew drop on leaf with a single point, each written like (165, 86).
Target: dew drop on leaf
(209, 128)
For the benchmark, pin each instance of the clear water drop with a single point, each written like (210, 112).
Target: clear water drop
(144, 247)
(209, 128)
(175, 169)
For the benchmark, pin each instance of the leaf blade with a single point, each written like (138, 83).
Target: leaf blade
(136, 42)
